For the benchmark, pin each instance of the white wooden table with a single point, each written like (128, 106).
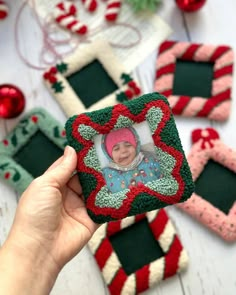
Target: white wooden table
(212, 266)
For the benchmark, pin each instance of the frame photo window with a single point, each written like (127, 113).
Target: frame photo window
(30, 148)
(174, 185)
(89, 79)
(196, 78)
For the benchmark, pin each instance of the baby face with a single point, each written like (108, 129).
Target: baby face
(123, 153)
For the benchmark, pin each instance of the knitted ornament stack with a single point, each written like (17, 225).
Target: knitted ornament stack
(3, 10)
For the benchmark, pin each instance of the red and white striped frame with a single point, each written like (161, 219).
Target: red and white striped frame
(207, 145)
(217, 107)
(175, 259)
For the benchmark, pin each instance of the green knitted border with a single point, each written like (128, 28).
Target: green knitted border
(36, 120)
(167, 186)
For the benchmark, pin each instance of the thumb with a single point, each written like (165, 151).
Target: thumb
(63, 171)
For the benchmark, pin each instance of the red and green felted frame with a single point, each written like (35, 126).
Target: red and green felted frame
(176, 183)
(24, 143)
(173, 260)
(77, 80)
(215, 102)
(219, 214)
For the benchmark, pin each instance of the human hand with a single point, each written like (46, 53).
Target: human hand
(51, 224)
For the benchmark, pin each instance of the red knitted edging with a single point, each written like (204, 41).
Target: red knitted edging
(134, 191)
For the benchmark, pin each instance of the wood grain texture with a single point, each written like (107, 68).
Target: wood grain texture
(212, 261)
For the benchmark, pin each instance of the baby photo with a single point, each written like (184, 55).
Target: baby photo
(127, 157)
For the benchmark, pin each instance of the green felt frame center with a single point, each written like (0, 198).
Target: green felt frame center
(193, 78)
(136, 246)
(217, 185)
(92, 83)
(38, 154)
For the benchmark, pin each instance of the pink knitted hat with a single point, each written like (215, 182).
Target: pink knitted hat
(114, 137)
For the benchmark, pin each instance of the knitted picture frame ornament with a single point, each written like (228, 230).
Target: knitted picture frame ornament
(217, 105)
(174, 186)
(37, 121)
(208, 146)
(90, 64)
(174, 259)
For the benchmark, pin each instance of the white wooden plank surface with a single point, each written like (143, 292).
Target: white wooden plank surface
(212, 261)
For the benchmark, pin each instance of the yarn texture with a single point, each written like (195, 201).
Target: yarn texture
(174, 186)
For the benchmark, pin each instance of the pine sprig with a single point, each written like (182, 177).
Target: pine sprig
(140, 5)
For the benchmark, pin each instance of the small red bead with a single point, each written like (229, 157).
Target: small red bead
(137, 90)
(129, 93)
(132, 84)
(52, 79)
(63, 133)
(46, 75)
(7, 175)
(5, 142)
(53, 70)
(34, 119)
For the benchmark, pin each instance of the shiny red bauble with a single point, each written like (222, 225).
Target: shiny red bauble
(12, 101)
(190, 5)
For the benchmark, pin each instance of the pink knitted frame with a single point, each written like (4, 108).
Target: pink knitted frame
(216, 107)
(202, 151)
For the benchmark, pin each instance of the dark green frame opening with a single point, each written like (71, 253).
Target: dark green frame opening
(135, 246)
(92, 83)
(217, 185)
(37, 154)
(193, 78)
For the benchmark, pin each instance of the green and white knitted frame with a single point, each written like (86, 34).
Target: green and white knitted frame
(35, 122)
(176, 184)
(86, 67)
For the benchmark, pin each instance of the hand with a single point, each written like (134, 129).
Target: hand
(51, 224)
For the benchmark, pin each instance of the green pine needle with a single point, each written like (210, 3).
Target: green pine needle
(139, 5)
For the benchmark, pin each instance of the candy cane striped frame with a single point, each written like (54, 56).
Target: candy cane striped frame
(217, 107)
(118, 282)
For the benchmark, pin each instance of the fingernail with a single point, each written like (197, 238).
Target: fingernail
(68, 151)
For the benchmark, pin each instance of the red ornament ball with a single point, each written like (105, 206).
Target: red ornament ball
(190, 5)
(12, 101)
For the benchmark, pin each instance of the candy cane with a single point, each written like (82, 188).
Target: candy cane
(65, 15)
(90, 5)
(3, 10)
(112, 9)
